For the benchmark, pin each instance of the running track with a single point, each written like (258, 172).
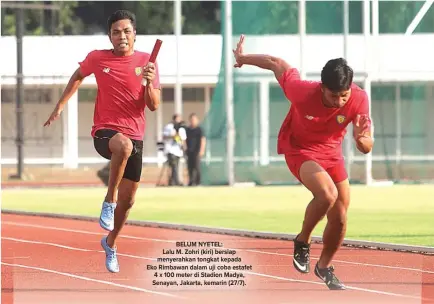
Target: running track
(49, 260)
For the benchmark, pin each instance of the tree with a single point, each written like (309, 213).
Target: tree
(202, 17)
(152, 17)
(264, 17)
(396, 17)
(43, 22)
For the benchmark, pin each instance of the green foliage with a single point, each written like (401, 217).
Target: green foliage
(200, 17)
(67, 25)
(8, 24)
(152, 17)
(395, 17)
(38, 21)
(249, 17)
(203, 17)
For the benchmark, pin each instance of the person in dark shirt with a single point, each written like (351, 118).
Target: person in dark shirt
(195, 145)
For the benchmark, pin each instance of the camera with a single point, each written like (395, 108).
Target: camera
(160, 146)
(179, 125)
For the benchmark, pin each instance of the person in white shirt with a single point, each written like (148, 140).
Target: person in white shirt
(174, 136)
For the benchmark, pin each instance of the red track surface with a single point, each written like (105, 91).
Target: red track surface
(46, 260)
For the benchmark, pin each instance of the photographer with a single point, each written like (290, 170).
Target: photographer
(174, 136)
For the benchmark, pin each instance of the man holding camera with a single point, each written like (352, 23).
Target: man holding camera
(174, 136)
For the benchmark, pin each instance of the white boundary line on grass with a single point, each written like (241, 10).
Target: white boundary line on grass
(66, 274)
(233, 232)
(238, 249)
(154, 259)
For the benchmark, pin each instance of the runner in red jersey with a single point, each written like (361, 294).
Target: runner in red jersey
(311, 138)
(127, 84)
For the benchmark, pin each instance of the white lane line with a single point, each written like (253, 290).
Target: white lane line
(347, 262)
(238, 249)
(246, 272)
(73, 248)
(70, 275)
(83, 232)
(348, 287)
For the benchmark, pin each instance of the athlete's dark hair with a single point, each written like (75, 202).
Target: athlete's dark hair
(121, 15)
(337, 75)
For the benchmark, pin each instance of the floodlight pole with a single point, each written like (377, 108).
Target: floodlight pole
(302, 35)
(178, 85)
(19, 25)
(229, 94)
(348, 138)
(19, 33)
(367, 83)
(178, 33)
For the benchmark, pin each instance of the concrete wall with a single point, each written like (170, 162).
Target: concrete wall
(387, 56)
(48, 142)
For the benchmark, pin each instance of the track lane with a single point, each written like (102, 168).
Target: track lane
(283, 281)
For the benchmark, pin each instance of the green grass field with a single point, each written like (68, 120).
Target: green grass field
(397, 214)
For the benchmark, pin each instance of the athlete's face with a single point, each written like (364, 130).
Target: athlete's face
(194, 121)
(335, 99)
(122, 36)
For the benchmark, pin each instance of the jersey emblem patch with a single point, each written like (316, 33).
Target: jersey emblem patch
(340, 119)
(138, 71)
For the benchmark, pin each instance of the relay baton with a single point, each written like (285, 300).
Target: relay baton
(155, 51)
(154, 55)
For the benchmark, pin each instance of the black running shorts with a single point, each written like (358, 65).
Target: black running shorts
(133, 169)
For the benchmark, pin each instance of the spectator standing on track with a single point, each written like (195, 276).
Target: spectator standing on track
(174, 136)
(127, 84)
(195, 145)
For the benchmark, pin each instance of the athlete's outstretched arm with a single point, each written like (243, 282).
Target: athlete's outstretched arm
(72, 87)
(277, 65)
(296, 90)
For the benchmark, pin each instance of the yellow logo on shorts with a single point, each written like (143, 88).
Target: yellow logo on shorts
(340, 118)
(138, 71)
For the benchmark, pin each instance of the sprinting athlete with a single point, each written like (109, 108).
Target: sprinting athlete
(311, 138)
(127, 84)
